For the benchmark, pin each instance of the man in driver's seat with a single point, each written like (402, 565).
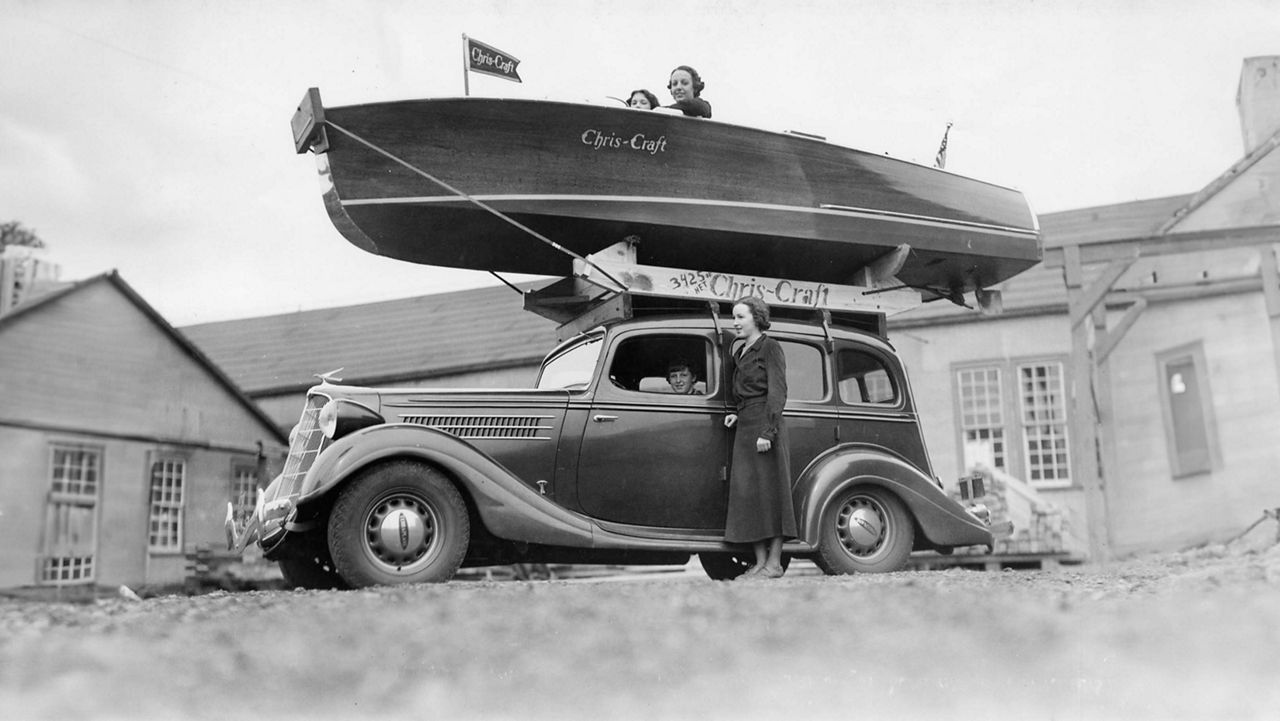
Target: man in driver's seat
(681, 378)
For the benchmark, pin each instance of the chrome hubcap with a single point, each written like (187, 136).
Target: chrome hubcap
(401, 532)
(862, 526)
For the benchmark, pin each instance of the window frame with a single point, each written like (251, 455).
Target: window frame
(712, 361)
(1007, 453)
(829, 389)
(243, 505)
(892, 371)
(1017, 462)
(1194, 352)
(178, 507)
(1023, 424)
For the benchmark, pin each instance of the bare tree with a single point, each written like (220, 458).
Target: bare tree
(12, 233)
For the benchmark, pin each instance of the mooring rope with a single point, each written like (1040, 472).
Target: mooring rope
(478, 203)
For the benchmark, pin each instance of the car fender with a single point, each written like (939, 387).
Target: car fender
(509, 508)
(942, 520)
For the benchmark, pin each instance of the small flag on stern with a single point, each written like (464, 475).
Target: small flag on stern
(940, 161)
(482, 58)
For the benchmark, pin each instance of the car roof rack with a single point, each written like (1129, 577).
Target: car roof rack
(609, 286)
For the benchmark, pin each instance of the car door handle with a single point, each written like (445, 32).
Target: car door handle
(603, 419)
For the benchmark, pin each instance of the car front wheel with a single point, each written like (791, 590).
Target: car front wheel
(308, 564)
(865, 529)
(399, 522)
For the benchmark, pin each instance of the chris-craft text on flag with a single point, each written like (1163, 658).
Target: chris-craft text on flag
(482, 58)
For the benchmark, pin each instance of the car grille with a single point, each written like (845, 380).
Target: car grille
(306, 444)
(492, 427)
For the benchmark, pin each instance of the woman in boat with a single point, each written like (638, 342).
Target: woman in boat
(686, 87)
(643, 100)
(760, 511)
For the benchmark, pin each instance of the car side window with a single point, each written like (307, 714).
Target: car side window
(663, 364)
(806, 371)
(864, 378)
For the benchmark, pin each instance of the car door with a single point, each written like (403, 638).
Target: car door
(649, 456)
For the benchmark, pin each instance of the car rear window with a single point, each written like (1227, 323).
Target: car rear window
(864, 378)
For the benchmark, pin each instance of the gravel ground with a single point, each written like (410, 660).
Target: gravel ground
(1193, 635)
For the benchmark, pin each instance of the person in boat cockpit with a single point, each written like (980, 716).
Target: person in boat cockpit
(643, 100)
(681, 378)
(686, 89)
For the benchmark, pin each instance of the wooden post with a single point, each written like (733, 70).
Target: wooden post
(466, 67)
(1085, 466)
(1105, 427)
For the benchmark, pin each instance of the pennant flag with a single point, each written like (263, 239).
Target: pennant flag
(489, 60)
(940, 161)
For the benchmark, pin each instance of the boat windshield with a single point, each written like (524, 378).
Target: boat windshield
(571, 368)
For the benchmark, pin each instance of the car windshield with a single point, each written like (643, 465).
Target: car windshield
(571, 368)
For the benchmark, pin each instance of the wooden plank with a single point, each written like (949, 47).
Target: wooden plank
(1083, 440)
(1172, 244)
(995, 561)
(1112, 337)
(1083, 304)
(714, 286)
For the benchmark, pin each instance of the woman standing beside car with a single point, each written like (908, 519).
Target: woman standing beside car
(760, 511)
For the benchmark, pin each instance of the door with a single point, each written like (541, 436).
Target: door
(652, 456)
(69, 553)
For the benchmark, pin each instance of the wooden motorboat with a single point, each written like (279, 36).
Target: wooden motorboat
(461, 182)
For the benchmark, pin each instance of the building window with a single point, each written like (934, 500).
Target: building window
(244, 489)
(1013, 417)
(71, 515)
(167, 481)
(1043, 409)
(982, 416)
(1190, 428)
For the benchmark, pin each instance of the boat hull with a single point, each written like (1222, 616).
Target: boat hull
(440, 182)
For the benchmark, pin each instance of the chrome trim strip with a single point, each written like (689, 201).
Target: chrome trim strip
(823, 209)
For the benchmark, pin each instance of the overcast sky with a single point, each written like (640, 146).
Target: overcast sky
(153, 137)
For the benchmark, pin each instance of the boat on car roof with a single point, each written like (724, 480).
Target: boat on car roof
(496, 184)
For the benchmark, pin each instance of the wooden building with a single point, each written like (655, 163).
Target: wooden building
(1134, 377)
(122, 441)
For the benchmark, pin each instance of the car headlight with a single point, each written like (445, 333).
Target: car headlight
(340, 416)
(328, 419)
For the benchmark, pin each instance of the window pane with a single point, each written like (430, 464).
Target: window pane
(649, 364)
(244, 489)
(1188, 416)
(982, 416)
(1044, 426)
(863, 378)
(167, 475)
(806, 375)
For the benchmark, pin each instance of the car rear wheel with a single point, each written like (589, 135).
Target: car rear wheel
(865, 529)
(399, 522)
(728, 566)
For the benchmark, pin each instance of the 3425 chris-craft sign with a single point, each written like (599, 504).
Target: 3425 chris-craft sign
(712, 285)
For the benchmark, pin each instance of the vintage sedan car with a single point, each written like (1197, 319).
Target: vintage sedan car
(602, 462)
